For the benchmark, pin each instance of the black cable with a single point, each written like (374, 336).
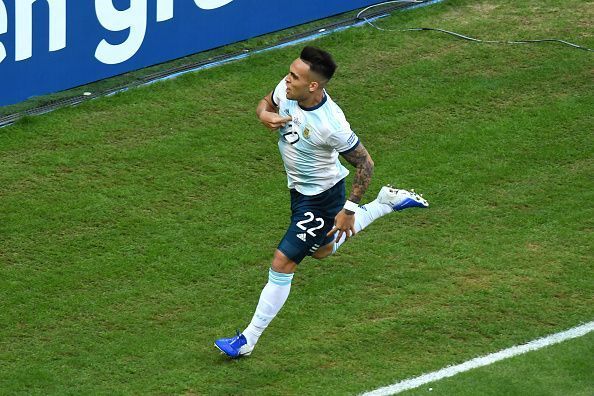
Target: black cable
(359, 15)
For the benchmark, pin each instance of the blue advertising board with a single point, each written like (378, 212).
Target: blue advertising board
(52, 45)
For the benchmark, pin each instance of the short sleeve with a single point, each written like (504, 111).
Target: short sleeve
(280, 93)
(342, 138)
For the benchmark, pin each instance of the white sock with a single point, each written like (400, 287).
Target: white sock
(365, 215)
(272, 299)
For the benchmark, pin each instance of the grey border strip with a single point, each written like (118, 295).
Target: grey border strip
(217, 61)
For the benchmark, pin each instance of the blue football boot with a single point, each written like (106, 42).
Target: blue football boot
(401, 199)
(234, 347)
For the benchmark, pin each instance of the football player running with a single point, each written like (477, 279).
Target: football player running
(312, 133)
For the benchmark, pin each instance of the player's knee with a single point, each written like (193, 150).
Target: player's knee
(282, 264)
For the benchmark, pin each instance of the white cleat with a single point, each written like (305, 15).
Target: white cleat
(401, 199)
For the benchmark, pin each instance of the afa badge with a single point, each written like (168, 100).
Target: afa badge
(306, 132)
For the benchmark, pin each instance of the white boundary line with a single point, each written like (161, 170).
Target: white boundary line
(450, 371)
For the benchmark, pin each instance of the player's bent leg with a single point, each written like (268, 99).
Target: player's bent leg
(324, 251)
(388, 200)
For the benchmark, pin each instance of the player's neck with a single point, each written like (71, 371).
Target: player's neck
(313, 100)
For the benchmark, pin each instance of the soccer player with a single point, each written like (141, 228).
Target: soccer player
(312, 133)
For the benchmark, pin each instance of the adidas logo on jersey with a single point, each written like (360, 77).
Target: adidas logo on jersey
(303, 237)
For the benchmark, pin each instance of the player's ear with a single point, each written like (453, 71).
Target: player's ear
(314, 85)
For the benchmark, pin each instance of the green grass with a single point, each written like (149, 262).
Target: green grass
(138, 228)
(562, 369)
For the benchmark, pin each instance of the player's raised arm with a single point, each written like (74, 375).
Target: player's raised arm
(268, 114)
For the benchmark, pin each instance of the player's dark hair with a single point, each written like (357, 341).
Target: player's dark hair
(319, 61)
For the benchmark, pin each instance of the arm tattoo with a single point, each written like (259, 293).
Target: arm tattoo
(360, 159)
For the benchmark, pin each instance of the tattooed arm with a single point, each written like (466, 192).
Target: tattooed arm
(361, 160)
(344, 222)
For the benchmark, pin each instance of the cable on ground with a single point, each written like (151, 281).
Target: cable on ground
(461, 36)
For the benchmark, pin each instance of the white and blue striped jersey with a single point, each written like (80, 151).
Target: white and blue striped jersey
(310, 143)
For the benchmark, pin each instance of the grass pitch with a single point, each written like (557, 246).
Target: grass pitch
(138, 228)
(562, 369)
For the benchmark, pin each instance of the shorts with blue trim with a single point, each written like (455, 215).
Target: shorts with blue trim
(312, 217)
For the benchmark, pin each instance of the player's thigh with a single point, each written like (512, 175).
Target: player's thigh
(306, 233)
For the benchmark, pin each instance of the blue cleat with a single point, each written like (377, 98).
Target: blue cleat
(401, 199)
(234, 347)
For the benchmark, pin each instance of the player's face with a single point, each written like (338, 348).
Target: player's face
(299, 84)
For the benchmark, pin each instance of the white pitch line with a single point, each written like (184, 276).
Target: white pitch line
(450, 371)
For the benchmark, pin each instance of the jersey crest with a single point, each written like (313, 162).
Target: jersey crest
(306, 132)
